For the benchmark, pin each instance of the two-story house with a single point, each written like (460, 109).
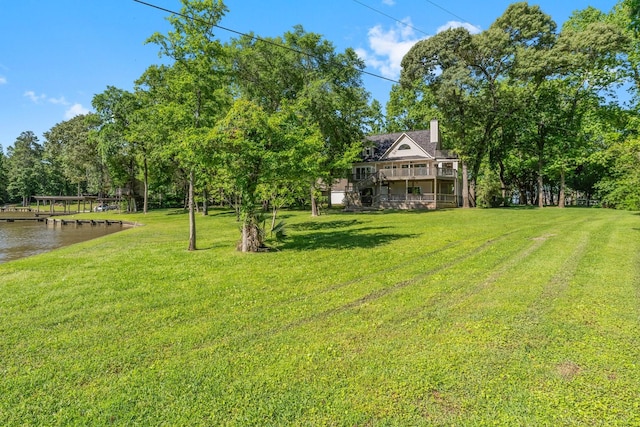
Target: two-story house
(405, 170)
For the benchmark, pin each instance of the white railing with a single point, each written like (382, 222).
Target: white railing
(426, 197)
(448, 198)
(408, 173)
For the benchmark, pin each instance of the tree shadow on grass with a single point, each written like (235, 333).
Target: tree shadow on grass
(341, 239)
(329, 225)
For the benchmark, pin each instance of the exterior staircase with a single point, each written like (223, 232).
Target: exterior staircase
(352, 192)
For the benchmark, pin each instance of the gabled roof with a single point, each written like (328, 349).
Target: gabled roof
(382, 143)
(405, 148)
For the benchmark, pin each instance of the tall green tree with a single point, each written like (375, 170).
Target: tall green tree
(71, 152)
(114, 108)
(24, 168)
(410, 107)
(441, 65)
(260, 150)
(590, 49)
(195, 88)
(4, 196)
(304, 72)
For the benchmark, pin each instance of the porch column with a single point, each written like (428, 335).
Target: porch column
(435, 187)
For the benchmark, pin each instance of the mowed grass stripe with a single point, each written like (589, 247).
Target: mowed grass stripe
(381, 283)
(593, 335)
(371, 322)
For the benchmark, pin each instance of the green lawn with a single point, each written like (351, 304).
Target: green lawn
(461, 317)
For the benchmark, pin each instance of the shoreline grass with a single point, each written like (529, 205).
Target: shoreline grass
(461, 317)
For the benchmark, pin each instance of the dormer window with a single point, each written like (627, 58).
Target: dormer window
(404, 147)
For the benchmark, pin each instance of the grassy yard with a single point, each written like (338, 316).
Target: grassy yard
(461, 317)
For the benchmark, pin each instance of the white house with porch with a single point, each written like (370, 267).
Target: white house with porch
(405, 170)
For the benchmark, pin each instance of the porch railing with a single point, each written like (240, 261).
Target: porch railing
(406, 173)
(425, 197)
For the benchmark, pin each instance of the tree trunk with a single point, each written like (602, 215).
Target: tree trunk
(329, 186)
(205, 203)
(251, 241)
(465, 185)
(314, 202)
(523, 196)
(503, 184)
(540, 183)
(238, 201)
(145, 205)
(192, 214)
(561, 197)
(273, 218)
(540, 143)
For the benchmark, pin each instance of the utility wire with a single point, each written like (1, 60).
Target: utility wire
(408, 25)
(258, 38)
(448, 11)
(391, 17)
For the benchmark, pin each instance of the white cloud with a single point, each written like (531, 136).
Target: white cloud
(58, 101)
(3, 80)
(36, 99)
(75, 110)
(388, 47)
(389, 2)
(457, 24)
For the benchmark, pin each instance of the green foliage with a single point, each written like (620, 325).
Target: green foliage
(489, 191)
(73, 158)
(519, 89)
(621, 187)
(4, 196)
(461, 317)
(24, 168)
(410, 108)
(633, 14)
(302, 73)
(262, 153)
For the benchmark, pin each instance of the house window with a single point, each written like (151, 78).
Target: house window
(404, 147)
(414, 190)
(362, 172)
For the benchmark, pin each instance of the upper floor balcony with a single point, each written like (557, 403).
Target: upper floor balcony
(400, 173)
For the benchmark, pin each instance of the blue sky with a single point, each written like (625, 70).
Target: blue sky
(55, 55)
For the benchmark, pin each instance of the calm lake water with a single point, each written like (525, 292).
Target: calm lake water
(21, 239)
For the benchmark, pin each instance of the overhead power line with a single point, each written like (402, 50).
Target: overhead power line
(391, 17)
(409, 25)
(258, 39)
(448, 11)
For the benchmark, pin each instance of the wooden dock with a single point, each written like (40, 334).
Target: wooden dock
(54, 222)
(60, 221)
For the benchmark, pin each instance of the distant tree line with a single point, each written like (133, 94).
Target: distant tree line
(258, 124)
